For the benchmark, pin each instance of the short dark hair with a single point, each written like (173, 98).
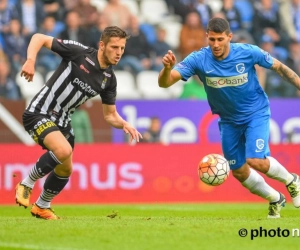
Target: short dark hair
(112, 31)
(218, 25)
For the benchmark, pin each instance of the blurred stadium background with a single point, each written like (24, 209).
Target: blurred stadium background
(106, 168)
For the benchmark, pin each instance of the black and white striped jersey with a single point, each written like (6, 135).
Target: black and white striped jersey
(77, 79)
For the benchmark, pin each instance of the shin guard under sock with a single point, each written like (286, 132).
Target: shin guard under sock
(256, 184)
(52, 187)
(279, 172)
(45, 164)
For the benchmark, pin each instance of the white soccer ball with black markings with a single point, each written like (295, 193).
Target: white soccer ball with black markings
(213, 169)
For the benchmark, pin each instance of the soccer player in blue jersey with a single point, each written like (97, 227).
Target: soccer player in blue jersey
(227, 71)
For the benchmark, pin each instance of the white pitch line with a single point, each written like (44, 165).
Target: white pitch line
(34, 247)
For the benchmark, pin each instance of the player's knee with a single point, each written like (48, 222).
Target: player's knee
(252, 162)
(239, 175)
(242, 173)
(64, 169)
(63, 153)
(260, 165)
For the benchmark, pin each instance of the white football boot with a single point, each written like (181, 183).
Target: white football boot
(294, 190)
(275, 207)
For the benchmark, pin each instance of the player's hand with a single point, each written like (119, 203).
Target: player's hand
(134, 134)
(28, 70)
(169, 60)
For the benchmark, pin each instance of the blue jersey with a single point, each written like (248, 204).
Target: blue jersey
(232, 87)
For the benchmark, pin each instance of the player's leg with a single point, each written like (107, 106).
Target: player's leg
(45, 164)
(59, 177)
(233, 144)
(278, 172)
(38, 127)
(256, 184)
(258, 157)
(59, 151)
(54, 184)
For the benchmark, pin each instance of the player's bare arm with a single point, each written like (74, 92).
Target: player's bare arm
(286, 73)
(36, 43)
(114, 119)
(167, 76)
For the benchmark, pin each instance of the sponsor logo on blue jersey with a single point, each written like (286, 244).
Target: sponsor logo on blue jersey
(232, 81)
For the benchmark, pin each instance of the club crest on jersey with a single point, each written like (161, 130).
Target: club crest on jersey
(103, 83)
(260, 144)
(240, 67)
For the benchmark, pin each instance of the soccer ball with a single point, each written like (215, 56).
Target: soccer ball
(213, 169)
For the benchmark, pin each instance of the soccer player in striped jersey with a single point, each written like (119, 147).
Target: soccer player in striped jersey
(83, 73)
(227, 71)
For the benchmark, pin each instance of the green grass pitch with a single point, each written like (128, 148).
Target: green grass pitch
(154, 227)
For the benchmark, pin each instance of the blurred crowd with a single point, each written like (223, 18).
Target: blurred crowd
(274, 25)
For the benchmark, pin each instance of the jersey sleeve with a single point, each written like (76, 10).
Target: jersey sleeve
(262, 57)
(187, 67)
(109, 95)
(68, 49)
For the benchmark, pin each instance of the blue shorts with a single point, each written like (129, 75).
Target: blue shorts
(242, 141)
